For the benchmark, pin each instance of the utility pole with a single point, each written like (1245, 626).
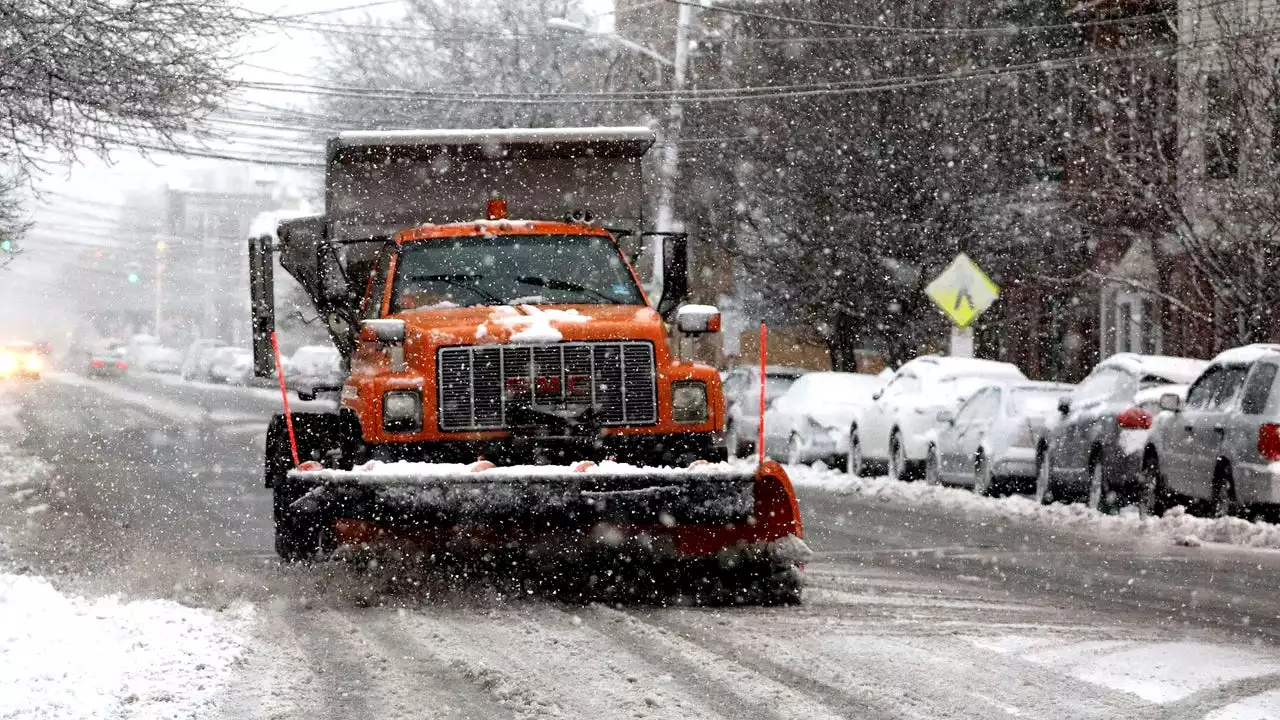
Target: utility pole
(160, 248)
(669, 173)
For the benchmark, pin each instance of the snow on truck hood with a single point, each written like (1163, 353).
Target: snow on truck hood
(532, 324)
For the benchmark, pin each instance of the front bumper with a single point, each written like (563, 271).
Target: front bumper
(673, 450)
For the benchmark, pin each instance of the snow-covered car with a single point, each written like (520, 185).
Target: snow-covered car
(742, 402)
(1094, 451)
(1219, 442)
(893, 432)
(989, 443)
(195, 363)
(810, 420)
(227, 365)
(159, 359)
(313, 366)
(21, 360)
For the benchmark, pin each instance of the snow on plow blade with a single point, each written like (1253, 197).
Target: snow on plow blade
(698, 511)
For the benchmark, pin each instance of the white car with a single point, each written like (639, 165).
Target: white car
(742, 402)
(990, 442)
(314, 365)
(893, 432)
(810, 420)
(229, 365)
(195, 364)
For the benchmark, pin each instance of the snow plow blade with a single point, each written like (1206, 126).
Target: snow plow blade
(700, 510)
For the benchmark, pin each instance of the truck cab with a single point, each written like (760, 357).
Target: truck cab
(520, 339)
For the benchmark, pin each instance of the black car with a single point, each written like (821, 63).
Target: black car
(1093, 451)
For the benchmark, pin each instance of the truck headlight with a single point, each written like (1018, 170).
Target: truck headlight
(689, 402)
(402, 411)
(8, 363)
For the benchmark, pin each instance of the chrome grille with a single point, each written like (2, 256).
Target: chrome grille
(478, 385)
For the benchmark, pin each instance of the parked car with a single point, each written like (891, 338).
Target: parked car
(742, 402)
(108, 362)
(313, 366)
(1218, 443)
(195, 364)
(228, 365)
(808, 422)
(1094, 450)
(893, 432)
(159, 359)
(989, 443)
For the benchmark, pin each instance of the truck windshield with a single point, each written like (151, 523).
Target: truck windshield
(512, 269)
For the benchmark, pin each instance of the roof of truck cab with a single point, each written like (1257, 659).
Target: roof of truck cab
(481, 228)
(492, 136)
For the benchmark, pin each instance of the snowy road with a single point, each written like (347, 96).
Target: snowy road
(932, 609)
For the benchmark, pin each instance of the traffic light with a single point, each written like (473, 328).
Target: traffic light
(6, 245)
(132, 277)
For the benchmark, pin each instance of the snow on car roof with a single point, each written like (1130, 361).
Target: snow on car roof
(1246, 354)
(827, 382)
(944, 366)
(1175, 370)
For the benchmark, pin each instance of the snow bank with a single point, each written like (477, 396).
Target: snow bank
(1175, 526)
(67, 657)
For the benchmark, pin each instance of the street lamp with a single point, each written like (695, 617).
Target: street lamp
(669, 171)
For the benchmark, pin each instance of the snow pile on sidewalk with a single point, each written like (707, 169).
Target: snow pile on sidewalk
(1175, 526)
(64, 657)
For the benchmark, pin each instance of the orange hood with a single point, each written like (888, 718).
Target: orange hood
(531, 324)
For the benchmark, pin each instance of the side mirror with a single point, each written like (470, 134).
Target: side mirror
(311, 393)
(1064, 405)
(675, 271)
(698, 319)
(387, 331)
(946, 417)
(878, 395)
(1171, 402)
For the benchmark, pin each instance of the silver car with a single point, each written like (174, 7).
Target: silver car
(989, 443)
(1220, 447)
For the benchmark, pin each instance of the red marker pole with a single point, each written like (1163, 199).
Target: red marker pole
(764, 355)
(284, 396)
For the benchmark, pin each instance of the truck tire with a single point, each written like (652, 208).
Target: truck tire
(300, 535)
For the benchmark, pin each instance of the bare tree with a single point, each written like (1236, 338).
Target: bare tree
(95, 74)
(459, 47)
(1216, 179)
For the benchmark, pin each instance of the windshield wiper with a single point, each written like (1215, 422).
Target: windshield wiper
(566, 285)
(459, 280)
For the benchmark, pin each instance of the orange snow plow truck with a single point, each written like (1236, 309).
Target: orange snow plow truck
(508, 383)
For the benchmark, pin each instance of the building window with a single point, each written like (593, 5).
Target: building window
(1221, 137)
(1130, 323)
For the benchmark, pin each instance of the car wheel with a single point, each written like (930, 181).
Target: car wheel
(933, 468)
(983, 482)
(794, 456)
(853, 463)
(1155, 497)
(1224, 494)
(897, 459)
(1099, 491)
(1044, 479)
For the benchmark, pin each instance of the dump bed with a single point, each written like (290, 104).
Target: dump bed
(377, 183)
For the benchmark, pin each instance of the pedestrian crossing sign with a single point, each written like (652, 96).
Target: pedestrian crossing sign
(963, 291)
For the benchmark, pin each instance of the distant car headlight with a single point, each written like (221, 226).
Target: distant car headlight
(689, 402)
(33, 363)
(8, 363)
(402, 411)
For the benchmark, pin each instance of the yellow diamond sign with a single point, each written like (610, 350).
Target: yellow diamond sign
(963, 291)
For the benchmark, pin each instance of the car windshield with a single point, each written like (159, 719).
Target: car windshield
(511, 269)
(1035, 402)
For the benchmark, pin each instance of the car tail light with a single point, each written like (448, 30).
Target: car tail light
(98, 363)
(1269, 442)
(122, 365)
(1135, 418)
